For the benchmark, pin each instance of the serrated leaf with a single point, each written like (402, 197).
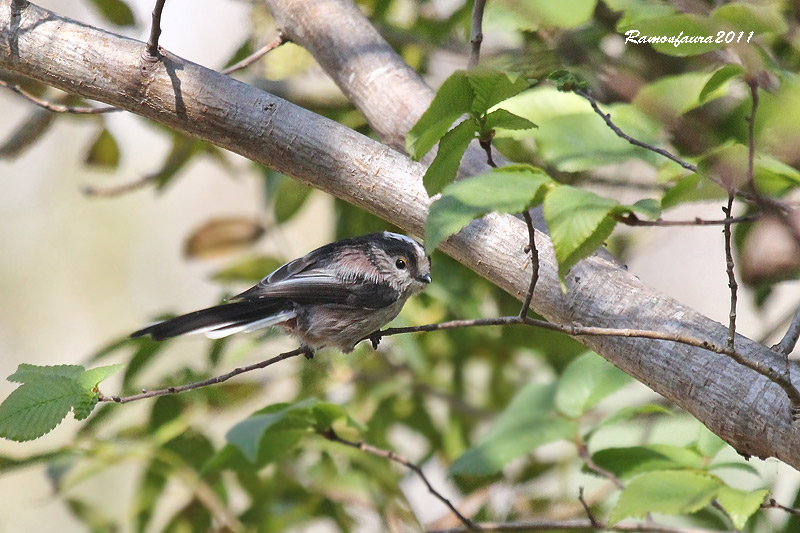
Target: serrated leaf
(453, 99)
(665, 492)
(37, 407)
(506, 190)
(740, 505)
(248, 270)
(222, 236)
(115, 11)
(718, 79)
(500, 118)
(104, 151)
(491, 87)
(444, 168)
(634, 460)
(527, 422)
(587, 380)
(27, 373)
(578, 222)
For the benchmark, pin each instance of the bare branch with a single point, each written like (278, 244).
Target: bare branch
(57, 108)
(772, 504)
(534, 263)
(279, 40)
(729, 269)
(205, 383)
(636, 142)
(476, 34)
(633, 220)
(155, 31)
(399, 459)
(574, 525)
(589, 513)
(789, 341)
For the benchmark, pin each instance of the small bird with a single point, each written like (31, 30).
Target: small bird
(334, 296)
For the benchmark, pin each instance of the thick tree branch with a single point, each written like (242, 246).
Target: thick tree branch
(744, 408)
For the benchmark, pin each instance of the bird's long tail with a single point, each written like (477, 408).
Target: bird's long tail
(222, 320)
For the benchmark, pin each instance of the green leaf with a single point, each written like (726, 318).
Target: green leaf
(708, 443)
(567, 81)
(718, 79)
(453, 99)
(628, 413)
(249, 270)
(491, 87)
(289, 197)
(37, 407)
(677, 27)
(115, 11)
(740, 505)
(692, 188)
(247, 435)
(665, 492)
(500, 118)
(104, 151)
(740, 466)
(578, 222)
(742, 17)
(526, 423)
(508, 189)
(27, 373)
(444, 168)
(532, 15)
(649, 207)
(671, 96)
(587, 380)
(92, 377)
(634, 460)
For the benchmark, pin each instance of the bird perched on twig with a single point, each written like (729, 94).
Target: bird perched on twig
(334, 296)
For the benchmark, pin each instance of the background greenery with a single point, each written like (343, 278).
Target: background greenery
(502, 421)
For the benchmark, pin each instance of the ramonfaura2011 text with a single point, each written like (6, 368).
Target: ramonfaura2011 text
(633, 36)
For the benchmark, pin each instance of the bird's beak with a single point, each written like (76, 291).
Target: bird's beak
(424, 279)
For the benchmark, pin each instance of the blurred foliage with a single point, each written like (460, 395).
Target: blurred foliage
(472, 406)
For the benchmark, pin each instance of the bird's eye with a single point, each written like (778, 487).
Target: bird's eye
(400, 264)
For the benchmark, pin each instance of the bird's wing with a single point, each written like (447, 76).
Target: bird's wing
(313, 278)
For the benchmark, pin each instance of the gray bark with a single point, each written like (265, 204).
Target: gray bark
(740, 405)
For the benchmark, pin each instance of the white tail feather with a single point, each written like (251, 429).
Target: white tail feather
(219, 331)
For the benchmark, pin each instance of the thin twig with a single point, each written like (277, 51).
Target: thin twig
(57, 108)
(399, 459)
(279, 40)
(583, 453)
(476, 34)
(205, 383)
(750, 196)
(589, 513)
(607, 118)
(729, 269)
(772, 504)
(789, 341)
(781, 379)
(573, 525)
(155, 30)
(534, 263)
(633, 220)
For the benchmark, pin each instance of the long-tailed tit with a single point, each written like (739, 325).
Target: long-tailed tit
(334, 296)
